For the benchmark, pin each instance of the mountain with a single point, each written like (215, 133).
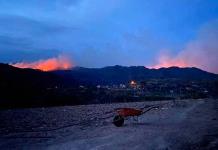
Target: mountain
(28, 87)
(34, 88)
(120, 74)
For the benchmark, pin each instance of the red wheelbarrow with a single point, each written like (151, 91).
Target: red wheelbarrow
(123, 113)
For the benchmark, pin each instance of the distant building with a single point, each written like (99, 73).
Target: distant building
(122, 86)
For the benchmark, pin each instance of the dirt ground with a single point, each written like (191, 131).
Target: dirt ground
(177, 125)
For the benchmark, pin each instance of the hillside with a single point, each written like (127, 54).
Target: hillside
(121, 74)
(28, 87)
(34, 88)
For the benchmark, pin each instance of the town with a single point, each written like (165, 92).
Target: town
(153, 89)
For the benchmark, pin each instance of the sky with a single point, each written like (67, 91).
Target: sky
(97, 33)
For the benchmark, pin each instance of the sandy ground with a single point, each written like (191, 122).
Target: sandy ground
(186, 124)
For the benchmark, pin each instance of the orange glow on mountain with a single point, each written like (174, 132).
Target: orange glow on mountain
(51, 64)
(166, 61)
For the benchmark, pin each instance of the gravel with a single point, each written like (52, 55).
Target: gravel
(181, 124)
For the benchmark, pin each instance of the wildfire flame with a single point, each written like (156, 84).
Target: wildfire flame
(51, 64)
(200, 52)
(166, 61)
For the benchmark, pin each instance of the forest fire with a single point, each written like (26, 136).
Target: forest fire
(59, 63)
(166, 61)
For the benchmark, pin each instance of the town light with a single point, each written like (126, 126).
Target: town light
(133, 82)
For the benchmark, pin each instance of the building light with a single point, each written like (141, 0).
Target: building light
(132, 83)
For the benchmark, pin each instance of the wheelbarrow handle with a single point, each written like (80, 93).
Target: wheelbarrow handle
(150, 108)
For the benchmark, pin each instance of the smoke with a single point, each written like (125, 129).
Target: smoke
(165, 59)
(201, 52)
(57, 63)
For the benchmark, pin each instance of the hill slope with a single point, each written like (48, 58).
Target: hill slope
(33, 88)
(120, 74)
(28, 87)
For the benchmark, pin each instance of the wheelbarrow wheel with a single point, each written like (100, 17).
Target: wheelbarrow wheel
(118, 121)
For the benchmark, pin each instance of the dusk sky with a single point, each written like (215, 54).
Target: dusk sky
(97, 33)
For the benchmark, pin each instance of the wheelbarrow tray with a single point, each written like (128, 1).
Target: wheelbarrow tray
(123, 113)
(127, 112)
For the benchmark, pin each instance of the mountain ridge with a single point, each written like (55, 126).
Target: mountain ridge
(35, 88)
(122, 74)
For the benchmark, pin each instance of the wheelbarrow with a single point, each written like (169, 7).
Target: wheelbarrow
(124, 113)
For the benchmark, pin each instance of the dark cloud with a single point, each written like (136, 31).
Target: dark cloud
(22, 26)
(15, 43)
(22, 38)
(13, 56)
(14, 49)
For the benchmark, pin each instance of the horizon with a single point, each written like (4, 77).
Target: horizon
(62, 69)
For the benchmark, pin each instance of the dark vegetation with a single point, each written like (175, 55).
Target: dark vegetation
(34, 88)
(120, 74)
